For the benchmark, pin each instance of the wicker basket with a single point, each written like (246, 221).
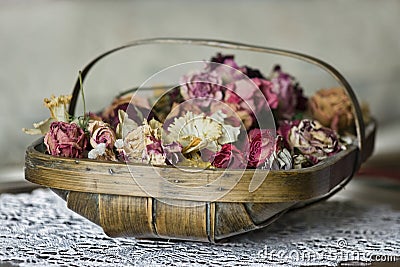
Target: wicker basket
(106, 194)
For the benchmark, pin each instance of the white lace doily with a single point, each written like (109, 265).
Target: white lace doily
(37, 229)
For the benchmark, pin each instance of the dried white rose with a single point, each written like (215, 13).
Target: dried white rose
(125, 124)
(282, 160)
(135, 142)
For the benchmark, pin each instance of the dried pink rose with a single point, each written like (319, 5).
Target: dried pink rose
(227, 69)
(255, 97)
(226, 60)
(204, 85)
(235, 113)
(101, 132)
(230, 61)
(159, 154)
(65, 140)
(289, 92)
(247, 100)
(247, 95)
(232, 98)
(266, 88)
(311, 139)
(229, 157)
(260, 147)
(135, 106)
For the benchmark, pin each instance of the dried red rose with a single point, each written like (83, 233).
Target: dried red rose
(229, 157)
(260, 147)
(65, 139)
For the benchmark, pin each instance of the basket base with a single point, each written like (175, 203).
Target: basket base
(141, 217)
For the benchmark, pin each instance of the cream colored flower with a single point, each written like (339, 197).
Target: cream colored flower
(101, 132)
(229, 133)
(135, 142)
(135, 145)
(197, 131)
(155, 128)
(156, 158)
(125, 124)
(58, 112)
(58, 107)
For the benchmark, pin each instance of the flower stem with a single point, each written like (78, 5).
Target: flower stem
(83, 94)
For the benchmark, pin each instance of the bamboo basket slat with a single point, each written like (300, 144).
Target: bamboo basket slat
(106, 193)
(115, 178)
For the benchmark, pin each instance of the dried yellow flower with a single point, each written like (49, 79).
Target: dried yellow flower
(58, 112)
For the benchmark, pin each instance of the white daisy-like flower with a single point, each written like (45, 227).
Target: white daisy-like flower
(197, 131)
(229, 133)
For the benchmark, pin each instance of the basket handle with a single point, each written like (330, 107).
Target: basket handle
(359, 122)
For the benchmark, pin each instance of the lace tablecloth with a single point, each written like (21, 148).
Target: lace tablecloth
(37, 229)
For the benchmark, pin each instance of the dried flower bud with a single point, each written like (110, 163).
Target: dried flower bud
(100, 132)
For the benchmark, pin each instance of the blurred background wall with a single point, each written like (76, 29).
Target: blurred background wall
(44, 43)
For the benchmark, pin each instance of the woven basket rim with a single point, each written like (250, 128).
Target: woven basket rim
(107, 177)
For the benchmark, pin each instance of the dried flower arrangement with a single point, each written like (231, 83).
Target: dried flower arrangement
(175, 131)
